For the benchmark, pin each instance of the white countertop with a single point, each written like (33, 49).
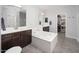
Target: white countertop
(12, 30)
(48, 36)
(36, 32)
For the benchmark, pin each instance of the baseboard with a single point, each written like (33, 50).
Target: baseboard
(72, 37)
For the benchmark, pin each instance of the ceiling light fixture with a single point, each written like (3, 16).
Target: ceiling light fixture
(18, 5)
(42, 13)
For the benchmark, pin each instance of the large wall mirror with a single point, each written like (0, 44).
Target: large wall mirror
(22, 18)
(13, 16)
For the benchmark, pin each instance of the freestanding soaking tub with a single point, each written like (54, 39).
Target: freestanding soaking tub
(45, 41)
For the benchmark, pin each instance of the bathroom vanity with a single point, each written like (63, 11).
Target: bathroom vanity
(19, 37)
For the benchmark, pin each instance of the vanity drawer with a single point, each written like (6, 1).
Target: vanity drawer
(9, 36)
(6, 36)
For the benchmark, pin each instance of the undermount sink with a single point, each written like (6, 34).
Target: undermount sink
(8, 30)
(12, 30)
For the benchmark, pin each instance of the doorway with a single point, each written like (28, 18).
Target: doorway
(61, 24)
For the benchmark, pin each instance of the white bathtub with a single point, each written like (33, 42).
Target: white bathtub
(45, 41)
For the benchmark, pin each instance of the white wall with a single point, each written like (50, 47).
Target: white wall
(78, 27)
(0, 28)
(77, 23)
(32, 18)
(52, 16)
(32, 15)
(41, 17)
(71, 22)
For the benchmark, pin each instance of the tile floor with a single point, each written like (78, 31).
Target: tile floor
(64, 45)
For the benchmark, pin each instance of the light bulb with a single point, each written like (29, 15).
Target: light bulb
(42, 13)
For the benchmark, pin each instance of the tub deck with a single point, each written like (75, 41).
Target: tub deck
(45, 41)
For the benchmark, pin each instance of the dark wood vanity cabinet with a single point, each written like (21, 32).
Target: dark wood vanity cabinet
(9, 40)
(25, 38)
(22, 39)
(46, 28)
